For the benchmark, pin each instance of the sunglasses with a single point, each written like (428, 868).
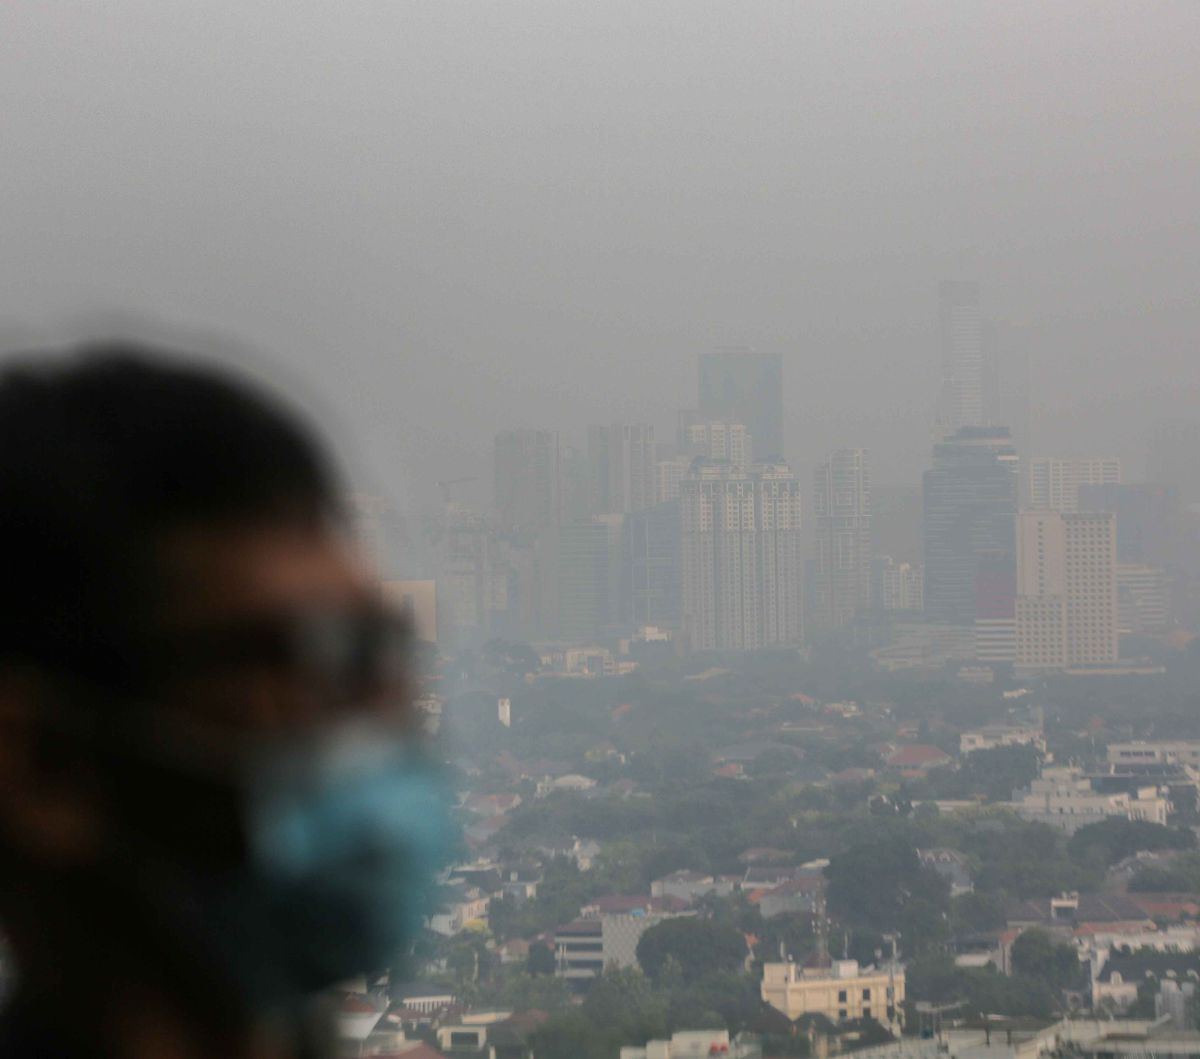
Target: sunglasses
(350, 652)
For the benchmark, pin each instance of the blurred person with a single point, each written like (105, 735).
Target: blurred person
(212, 804)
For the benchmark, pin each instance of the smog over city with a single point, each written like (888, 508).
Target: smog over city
(656, 529)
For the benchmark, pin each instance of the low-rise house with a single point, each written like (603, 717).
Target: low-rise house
(994, 736)
(952, 866)
(521, 882)
(461, 905)
(796, 895)
(1071, 912)
(688, 885)
(1115, 984)
(916, 759)
(572, 783)
(697, 1044)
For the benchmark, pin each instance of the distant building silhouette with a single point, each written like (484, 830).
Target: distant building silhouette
(842, 525)
(742, 386)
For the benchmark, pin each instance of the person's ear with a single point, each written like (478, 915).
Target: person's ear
(50, 808)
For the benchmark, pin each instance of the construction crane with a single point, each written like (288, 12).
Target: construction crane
(445, 486)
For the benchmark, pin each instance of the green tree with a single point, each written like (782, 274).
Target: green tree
(872, 884)
(540, 960)
(623, 1003)
(1036, 955)
(698, 946)
(1116, 838)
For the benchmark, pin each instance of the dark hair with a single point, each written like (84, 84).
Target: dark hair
(104, 450)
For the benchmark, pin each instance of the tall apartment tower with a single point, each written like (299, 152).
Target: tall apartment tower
(842, 520)
(742, 386)
(714, 439)
(621, 461)
(743, 565)
(1067, 605)
(969, 504)
(1054, 481)
(961, 333)
(527, 486)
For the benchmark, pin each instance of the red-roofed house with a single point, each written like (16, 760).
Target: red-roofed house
(916, 758)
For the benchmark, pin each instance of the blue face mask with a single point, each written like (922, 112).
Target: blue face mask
(341, 840)
(345, 839)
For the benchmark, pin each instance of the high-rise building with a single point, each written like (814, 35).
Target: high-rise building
(743, 566)
(668, 473)
(589, 561)
(970, 499)
(1143, 598)
(1149, 519)
(901, 585)
(622, 462)
(527, 487)
(715, 439)
(961, 332)
(1054, 481)
(842, 522)
(896, 522)
(741, 386)
(1067, 603)
(1092, 604)
(653, 567)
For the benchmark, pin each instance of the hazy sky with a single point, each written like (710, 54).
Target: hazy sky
(450, 218)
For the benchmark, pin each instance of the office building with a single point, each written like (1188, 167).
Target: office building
(970, 500)
(1143, 598)
(995, 606)
(588, 562)
(621, 460)
(896, 522)
(1067, 603)
(742, 386)
(842, 523)
(1149, 519)
(653, 567)
(526, 478)
(742, 560)
(1054, 481)
(961, 334)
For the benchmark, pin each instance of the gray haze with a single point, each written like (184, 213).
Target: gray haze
(450, 218)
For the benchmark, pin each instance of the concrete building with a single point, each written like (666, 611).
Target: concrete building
(589, 577)
(714, 439)
(1143, 598)
(1065, 799)
(696, 1044)
(961, 332)
(526, 480)
(1156, 752)
(994, 736)
(742, 386)
(970, 498)
(652, 567)
(900, 585)
(742, 560)
(1066, 590)
(842, 523)
(841, 991)
(668, 473)
(1054, 481)
(621, 462)
(417, 600)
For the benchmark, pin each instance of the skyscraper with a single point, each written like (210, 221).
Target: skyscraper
(527, 489)
(714, 439)
(1067, 602)
(1054, 481)
(653, 567)
(743, 565)
(961, 333)
(842, 520)
(741, 386)
(970, 500)
(621, 461)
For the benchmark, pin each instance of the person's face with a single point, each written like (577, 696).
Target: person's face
(262, 579)
(216, 581)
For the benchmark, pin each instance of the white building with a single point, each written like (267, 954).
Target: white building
(696, 1044)
(1156, 752)
(993, 736)
(842, 520)
(840, 992)
(1054, 481)
(1063, 798)
(743, 565)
